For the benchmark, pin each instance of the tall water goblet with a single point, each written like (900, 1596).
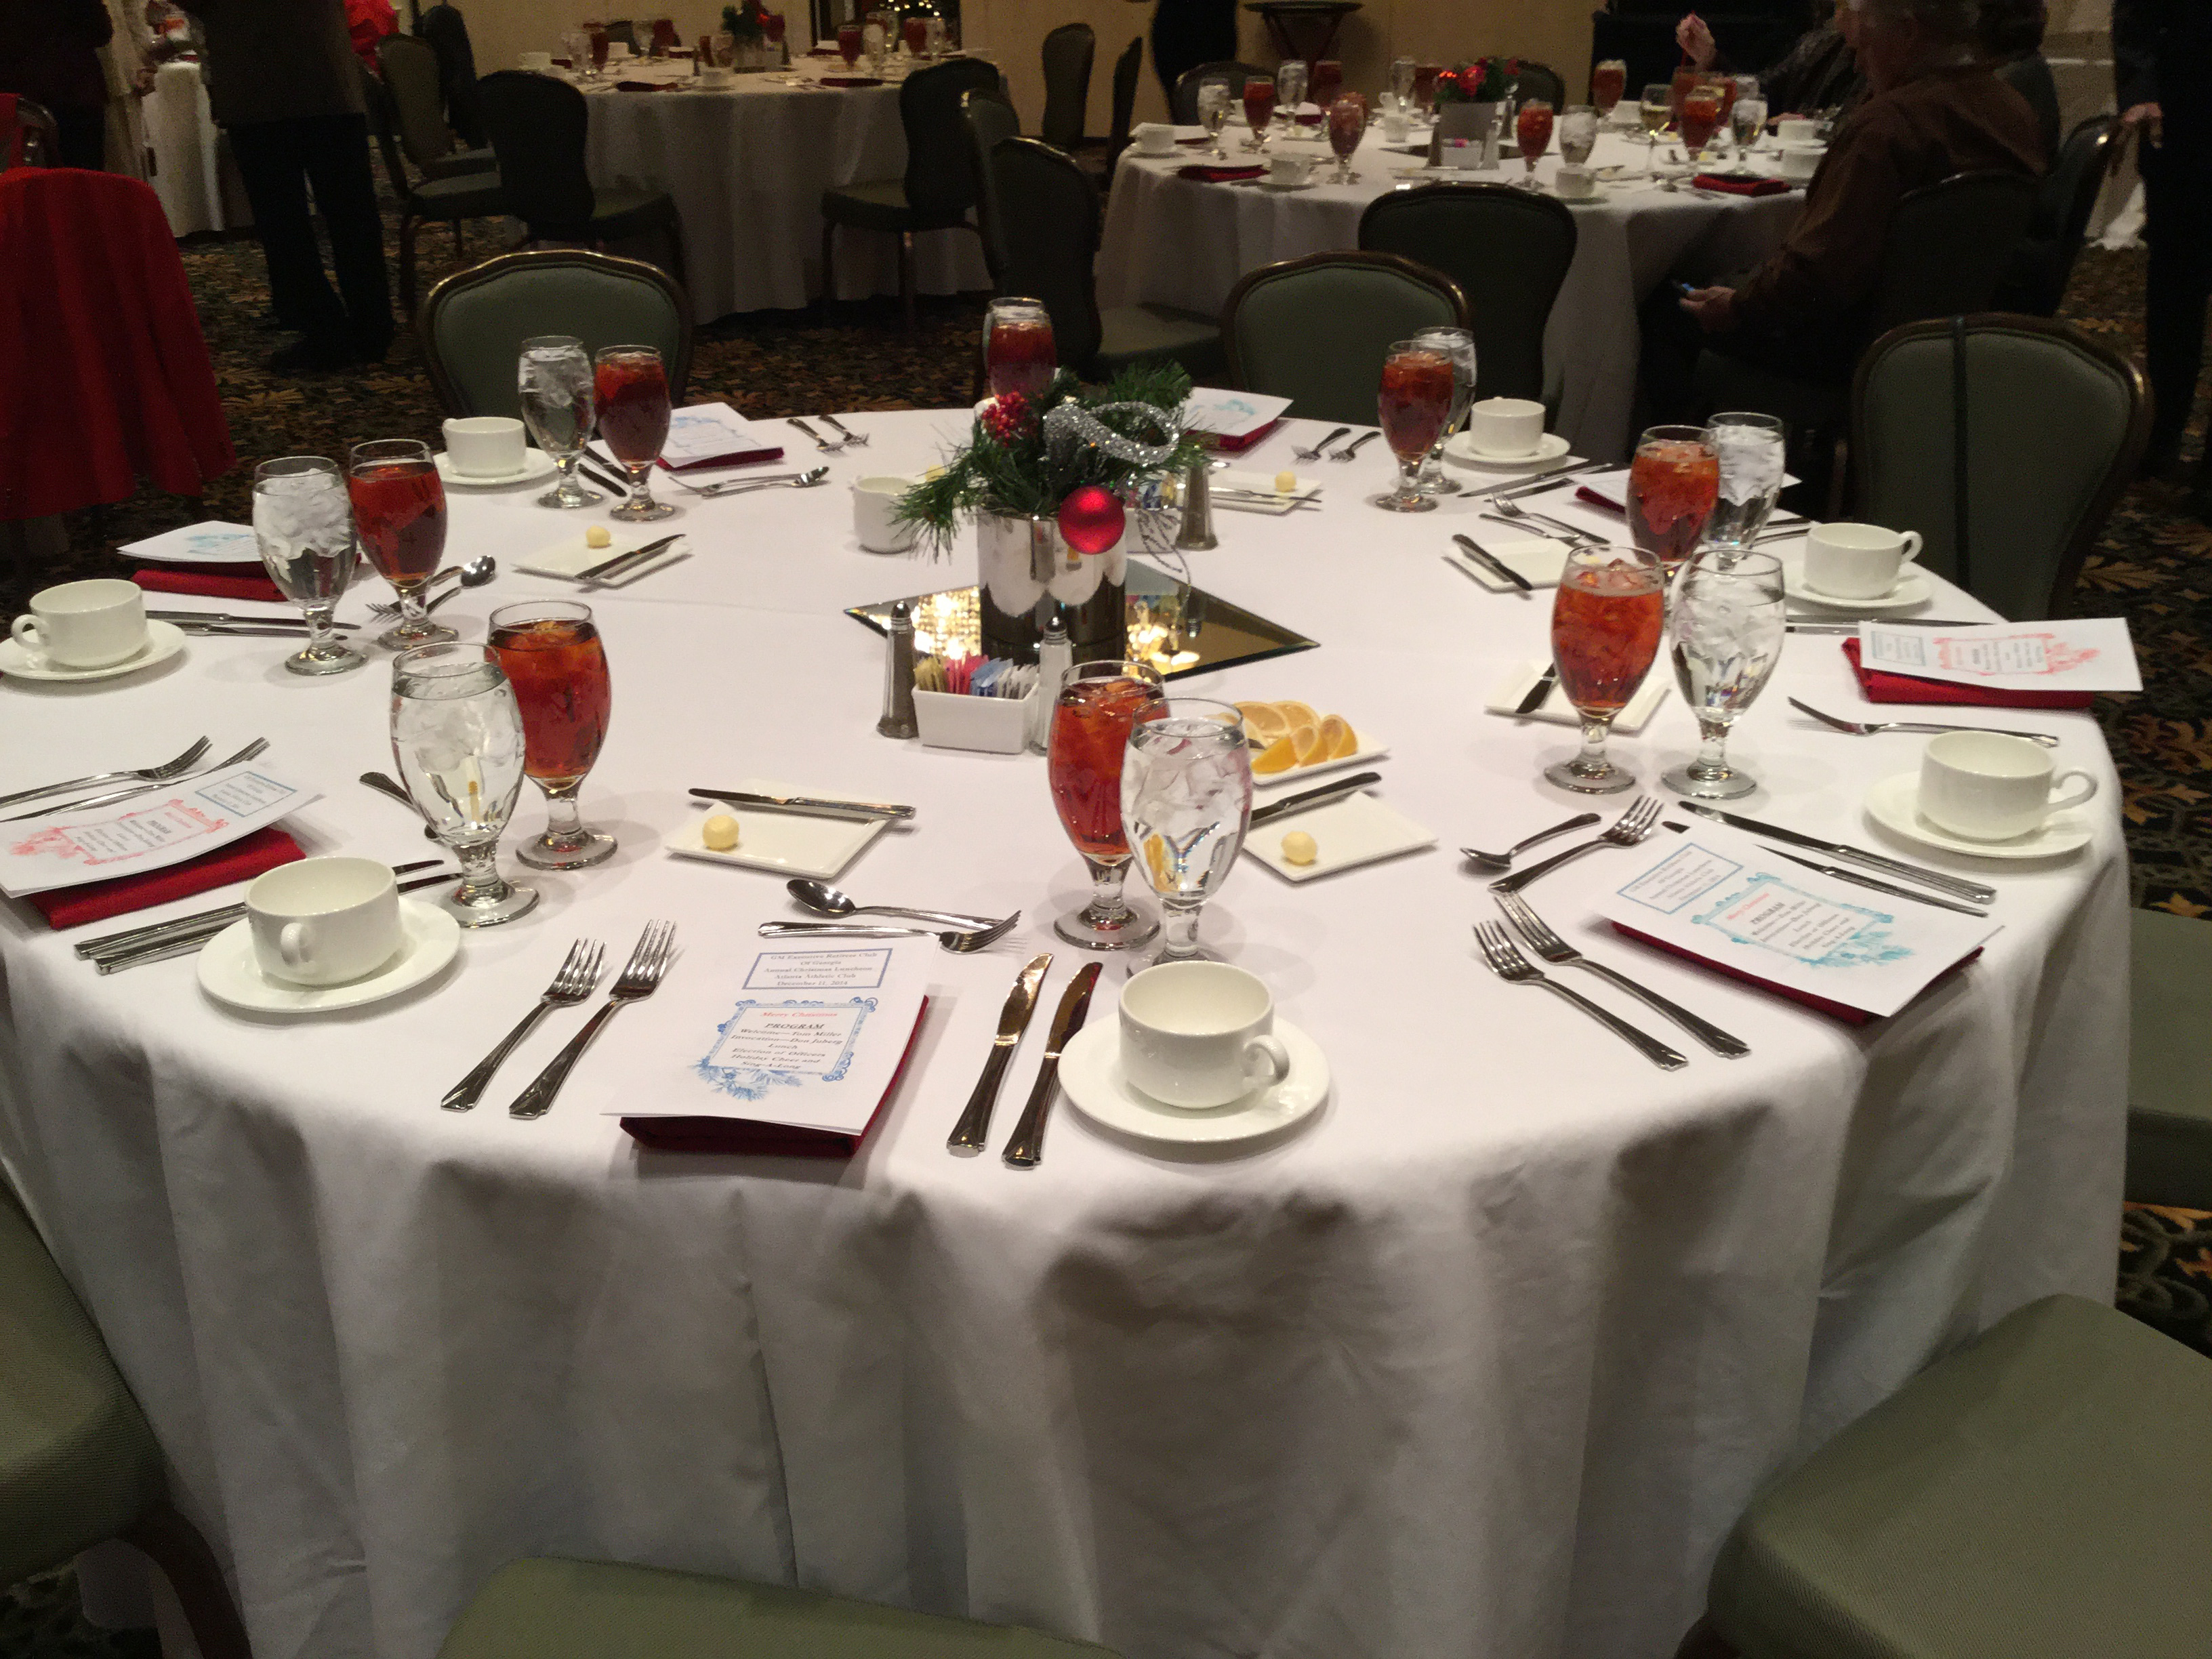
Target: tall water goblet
(576, 46)
(1402, 71)
(456, 739)
(1099, 704)
(553, 381)
(1018, 353)
(1608, 85)
(933, 36)
(1606, 618)
(1413, 404)
(1459, 342)
(1347, 125)
(399, 507)
(1259, 110)
(1653, 110)
(1749, 446)
(552, 655)
(1750, 118)
(1577, 133)
(1727, 627)
(631, 387)
(303, 521)
(1186, 802)
(1532, 128)
(1213, 101)
(1290, 90)
(1673, 483)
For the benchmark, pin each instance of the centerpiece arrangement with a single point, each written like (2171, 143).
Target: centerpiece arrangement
(750, 36)
(1471, 104)
(1050, 479)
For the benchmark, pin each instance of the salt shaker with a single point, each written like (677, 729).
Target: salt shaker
(1195, 534)
(898, 675)
(1055, 656)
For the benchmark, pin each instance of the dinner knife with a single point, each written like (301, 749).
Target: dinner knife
(1973, 890)
(609, 567)
(1304, 798)
(220, 617)
(1549, 481)
(1858, 878)
(974, 1128)
(1492, 563)
(1539, 693)
(1852, 627)
(185, 943)
(1025, 1150)
(859, 810)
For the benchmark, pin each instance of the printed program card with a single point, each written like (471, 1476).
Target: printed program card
(1728, 898)
(2089, 653)
(149, 832)
(713, 431)
(211, 542)
(1232, 415)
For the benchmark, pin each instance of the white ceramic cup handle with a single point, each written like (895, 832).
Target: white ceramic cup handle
(292, 944)
(1275, 1062)
(27, 633)
(2060, 800)
(1912, 546)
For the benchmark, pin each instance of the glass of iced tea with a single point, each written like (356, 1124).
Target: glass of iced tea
(1326, 84)
(916, 33)
(1607, 620)
(1533, 127)
(848, 43)
(1425, 87)
(399, 509)
(630, 387)
(1414, 405)
(1608, 85)
(1259, 110)
(551, 652)
(1673, 484)
(1019, 355)
(1099, 704)
(1347, 125)
(1700, 117)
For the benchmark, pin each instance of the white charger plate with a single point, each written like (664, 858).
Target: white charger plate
(536, 464)
(1355, 830)
(1551, 450)
(1091, 1072)
(1894, 804)
(164, 642)
(787, 844)
(1913, 588)
(230, 973)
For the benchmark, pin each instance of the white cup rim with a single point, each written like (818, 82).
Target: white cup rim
(1992, 754)
(259, 896)
(113, 590)
(1159, 981)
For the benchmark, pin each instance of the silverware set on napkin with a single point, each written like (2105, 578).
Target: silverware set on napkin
(1024, 1148)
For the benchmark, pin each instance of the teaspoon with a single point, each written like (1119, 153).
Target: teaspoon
(1504, 860)
(824, 900)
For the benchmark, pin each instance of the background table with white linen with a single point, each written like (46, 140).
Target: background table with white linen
(747, 164)
(1177, 242)
(1484, 1361)
(198, 185)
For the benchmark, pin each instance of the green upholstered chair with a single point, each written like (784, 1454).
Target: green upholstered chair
(989, 115)
(2044, 263)
(411, 70)
(1044, 192)
(1508, 249)
(449, 201)
(78, 1466)
(2054, 427)
(2039, 1494)
(2170, 1061)
(1069, 51)
(473, 324)
(1541, 81)
(539, 123)
(1316, 329)
(940, 185)
(1098, 155)
(548, 1609)
(1182, 107)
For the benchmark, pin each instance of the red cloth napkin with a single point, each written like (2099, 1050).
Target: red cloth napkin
(248, 584)
(1214, 175)
(1741, 186)
(1880, 686)
(1584, 493)
(1842, 1010)
(242, 860)
(647, 85)
(1193, 141)
(849, 81)
(739, 1135)
(1232, 445)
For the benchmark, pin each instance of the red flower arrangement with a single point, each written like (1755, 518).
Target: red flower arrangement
(1485, 81)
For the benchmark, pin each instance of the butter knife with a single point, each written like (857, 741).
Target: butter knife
(860, 811)
(1973, 891)
(1539, 693)
(610, 566)
(1304, 798)
(1496, 566)
(1026, 1149)
(974, 1128)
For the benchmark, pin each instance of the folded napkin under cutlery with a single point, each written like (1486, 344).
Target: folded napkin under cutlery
(1220, 175)
(1737, 183)
(244, 582)
(1880, 686)
(242, 860)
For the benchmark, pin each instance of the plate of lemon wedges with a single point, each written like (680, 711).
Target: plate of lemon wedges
(1293, 740)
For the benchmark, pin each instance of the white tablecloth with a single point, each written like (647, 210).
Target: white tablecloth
(1484, 1362)
(1180, 242)
(747, 167)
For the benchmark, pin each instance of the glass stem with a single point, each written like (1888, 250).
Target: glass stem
(564, 823)
(480, 880)
(1106, 877)
(321, 636)
(640, 492)
(1409, 479)
(1179, 926)
(1592, 759)
(1713, 750)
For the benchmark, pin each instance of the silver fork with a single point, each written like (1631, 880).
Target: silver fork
(580, 972)
(820, 442)
(252, 751)
(1314, 454)
(729, 484)
(1515, 512)
(1509, 965)
(1868, 728)
(1560, 954)
(161, 774)
(1629, 829)
(858, 439)
(1353, 448)
(1503, 861)
(640, 979)
(959, 942)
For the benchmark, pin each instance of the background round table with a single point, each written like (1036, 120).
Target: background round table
(1483, 1362)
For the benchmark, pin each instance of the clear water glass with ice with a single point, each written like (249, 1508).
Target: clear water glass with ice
(1186, 802)
(1750, 447)
(554, 378)
(456, 738)
(303, 521)
(1459, 342)
(1727, 629)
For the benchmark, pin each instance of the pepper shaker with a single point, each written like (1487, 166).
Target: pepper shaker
(897, 721)
(1195, 534)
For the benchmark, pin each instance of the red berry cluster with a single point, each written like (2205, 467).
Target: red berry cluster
(1008, 416)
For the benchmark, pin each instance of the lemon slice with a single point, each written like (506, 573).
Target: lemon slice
(1280, 755)
(1296, 715)
(1338, 739)
(1262, 721)
(1156, 857)
(1311, 746)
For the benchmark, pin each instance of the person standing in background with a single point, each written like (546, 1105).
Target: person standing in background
(286, 86)
(1188, 32)
(50, 53)
(2162, 65)
(130, 71)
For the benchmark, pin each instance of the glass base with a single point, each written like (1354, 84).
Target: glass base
(579, 852)
(403, 638)
(1391, 503)
(327, 660)
(1123, 932)
(1728, 785)
(505, 905)
(642, 512)
(1605, 780)
(580, 498)
(1440, 486)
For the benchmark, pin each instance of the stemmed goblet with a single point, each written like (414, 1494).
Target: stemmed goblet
(1750, 119)
(1607, 619)
(1289, 92)
(1749, 450)
(1728, 628)
(551, 653)
(1214, 115)
(1577, 133)
(457, 739)
(1186, 802)
(631, 386)
(303, 521)
(554, 381)
(1673, 483)
(1655, 109)
(1532, 128)
(1347, 125)
(1099, 704)
(1414, 404)
(1459, 342)
(1259, 111)
(400, 507)
(1608, 85)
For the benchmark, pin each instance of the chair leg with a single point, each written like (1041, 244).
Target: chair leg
(408, 225)
(174, 1545)
(906, 277)
(828, 266)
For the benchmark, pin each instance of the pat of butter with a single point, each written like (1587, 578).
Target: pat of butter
(1299, 848)
(1286, 483)
(599, 535)
(719, 833)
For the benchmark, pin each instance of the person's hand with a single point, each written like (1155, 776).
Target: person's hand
(2143, 121)
(1695, 39)
(142, 84)
(1713, 307)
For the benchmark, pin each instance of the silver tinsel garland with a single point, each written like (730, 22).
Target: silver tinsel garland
(1068, 426)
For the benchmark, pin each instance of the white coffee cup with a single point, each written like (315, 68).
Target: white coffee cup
(1857, 560)
(1798, 130)
(1396, 128)
(1197, 1034)
(1985, 785)
(485, 446)
(617, 50)
(875, 506)
(540, 61)
(1507, 428)
(1154, 139)
(87, 624)
(1574, 183)
(1799, 162)
(1287, 167)
(323, 922)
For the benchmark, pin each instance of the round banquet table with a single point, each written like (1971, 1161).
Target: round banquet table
(1175, 241)
(747, 165)
(1483, 1361)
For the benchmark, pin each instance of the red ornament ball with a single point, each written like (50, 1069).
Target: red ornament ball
(1092, 518)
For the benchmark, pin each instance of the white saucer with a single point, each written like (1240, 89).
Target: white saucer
(1549, 453)
(1894, 804)
(164, 642)
(536, 464)
(1913, 588)
(230, 973)
(1270, 184)
(1091, 1072)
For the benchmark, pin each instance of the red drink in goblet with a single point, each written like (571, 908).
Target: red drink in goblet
(1533, 127)
(550, 653)
(399, 509)
(1424, 87)
(848, 43)
(1326, 82)
(598, 49)
(630, 388)
(1607, 619)
(1673, 484)
(1608, 85)
(1259, 110)
(1347, 125)
(1018, 353)
(1685, 81)
(1700, 115)
(917, 35)
(1098, 705)
(1412, 406)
